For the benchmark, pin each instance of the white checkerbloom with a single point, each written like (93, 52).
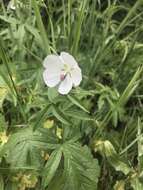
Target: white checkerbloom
(62, 71)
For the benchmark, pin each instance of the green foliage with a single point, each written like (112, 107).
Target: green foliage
(80, 171)
(24, 147)
(92, 138)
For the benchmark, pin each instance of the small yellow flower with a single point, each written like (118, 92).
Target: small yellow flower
(48, 124)
(25, 180)
(45, 155)
(59, 133)
(3, 138)
(3, 93)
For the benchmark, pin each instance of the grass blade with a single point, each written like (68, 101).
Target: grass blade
(41, 27)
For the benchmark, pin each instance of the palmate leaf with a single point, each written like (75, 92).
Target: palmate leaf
(52, 166)
(76, 102)
(24, 147)
(60, 116)
(78, 114)
(80, 170)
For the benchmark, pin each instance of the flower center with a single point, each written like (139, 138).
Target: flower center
(67, 68)
(62, 77)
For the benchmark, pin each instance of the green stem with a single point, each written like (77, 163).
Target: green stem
(5, 61)
(41, 27)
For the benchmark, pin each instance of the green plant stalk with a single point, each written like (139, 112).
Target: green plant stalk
(3, 7)
(5, 61)
(131, 144)
(106, 47)
(78, 27)
(69, 18)
(41, 27)
(93, 20)
(130, 13)
(64, 17)
(53, 42)
(125, 20)
(119, 68)
(129, 90)
(52, 33)
(139, 127)
(125, 132)
(131, 87)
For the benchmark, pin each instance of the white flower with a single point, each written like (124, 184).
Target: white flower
(63, 71)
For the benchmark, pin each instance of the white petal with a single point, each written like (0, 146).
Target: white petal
(76, 76)
(68, 59)
(66, 85)
(53, 63)
(51, 79)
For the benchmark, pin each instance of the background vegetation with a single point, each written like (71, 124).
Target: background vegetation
(92, 138)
